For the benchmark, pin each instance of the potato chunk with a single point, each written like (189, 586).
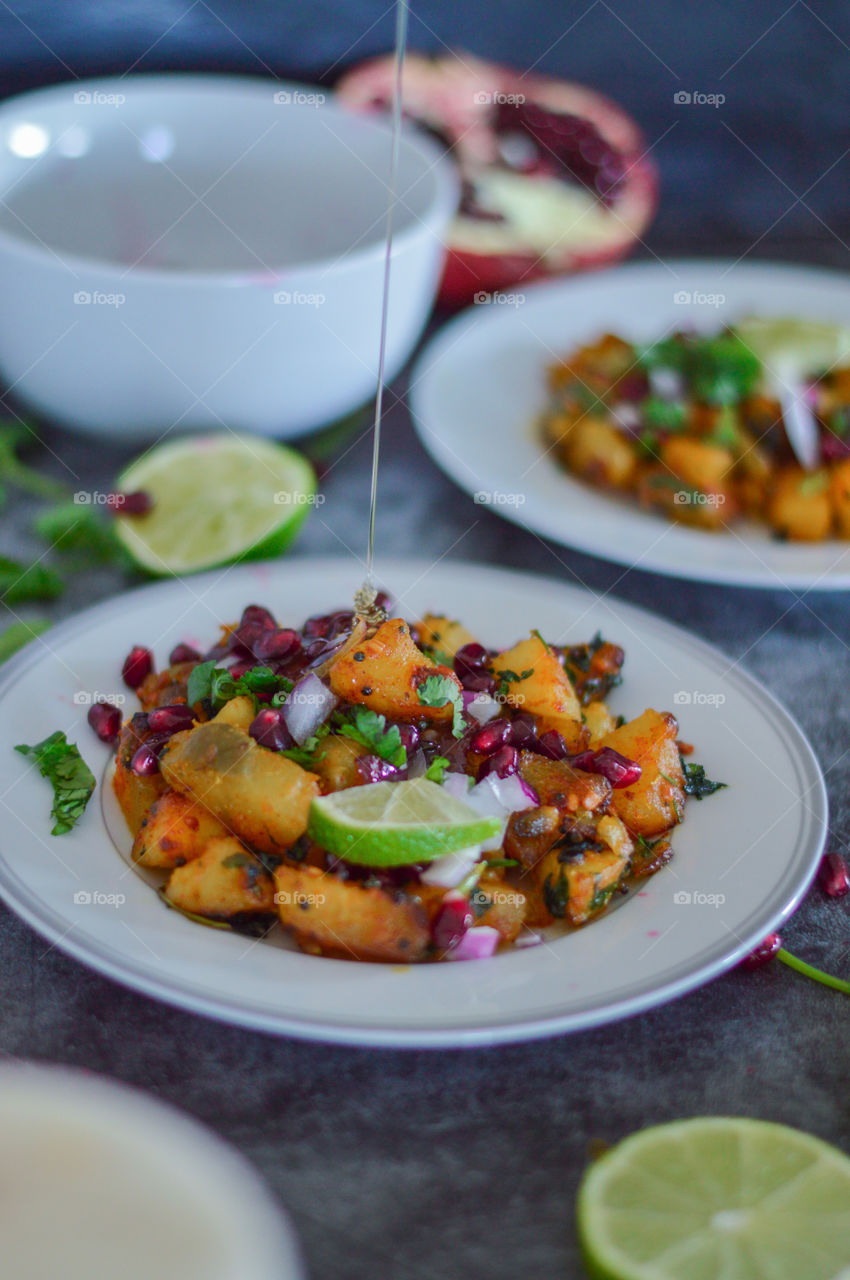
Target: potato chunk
(261, 797)
(656, 801)
(599, 453)
(335, 762)
(330, 916)
(226, 880)
(135, 794)
(560, 785)
(385, 672)
(443, 634)
(573, 888)
(238, 711)
(174, 832)
(839, 492)
(799, 505)
(532, 679)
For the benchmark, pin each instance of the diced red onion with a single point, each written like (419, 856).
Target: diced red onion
(625, 415)
(476, 944)
(417, 764)
(528, 939)
(457, 785)
(666, 383)
(495, 797)
(308, 705)
(481, 706)
(452, 869)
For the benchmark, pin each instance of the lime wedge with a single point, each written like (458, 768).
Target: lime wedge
(389, 824)
(215, 499)
(718, 1198)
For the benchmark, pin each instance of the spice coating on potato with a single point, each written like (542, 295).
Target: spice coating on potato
(262, 797)
(443, 634)
(385, 672)
(239, 712)
(656, 801)
(335, 762)
(330, 916)
(226, 880)
(161, 688)
(558, 783)
(174, 831)
(135, 793)
(531, 678)
(799, 505)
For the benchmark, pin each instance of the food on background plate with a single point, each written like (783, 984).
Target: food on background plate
(691, 426)
(555, 176)
(393, 792)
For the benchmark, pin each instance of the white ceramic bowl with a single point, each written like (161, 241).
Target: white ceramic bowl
(196, 251)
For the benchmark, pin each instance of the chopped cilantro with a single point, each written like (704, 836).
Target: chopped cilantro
(20, 582)
(72, 780)
(439, 691)
(814, 483)
(508, 677)
(663, 415)
(556, 895)
(207, 682)
(436, 770)
(696, 783)
(306, 754)
(371, 730)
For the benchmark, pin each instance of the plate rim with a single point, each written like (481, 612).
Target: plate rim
(188, 996)
(453, 331)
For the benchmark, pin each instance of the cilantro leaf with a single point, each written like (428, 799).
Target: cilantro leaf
(19, 634)
(371, 730)
(696, 783)
(199, 684)
(73, 781)
(20, 582)
(306, 754)
(439, 691)
(436, 770)
(71, 528)
(217, 686)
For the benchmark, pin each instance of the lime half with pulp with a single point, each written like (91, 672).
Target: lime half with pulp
(216, 498)
(390, 824)
(717, 1198)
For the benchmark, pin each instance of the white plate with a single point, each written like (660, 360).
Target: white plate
(479, 386)
(755, 845)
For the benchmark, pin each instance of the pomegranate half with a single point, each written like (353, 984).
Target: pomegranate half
(555, 178)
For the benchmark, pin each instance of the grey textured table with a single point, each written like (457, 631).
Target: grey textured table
(436, 1165)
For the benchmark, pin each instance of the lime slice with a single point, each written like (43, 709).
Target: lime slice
(215, 499)
(388, 824)
(717, 1198)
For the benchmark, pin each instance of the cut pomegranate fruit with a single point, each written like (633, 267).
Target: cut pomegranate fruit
(553, 175)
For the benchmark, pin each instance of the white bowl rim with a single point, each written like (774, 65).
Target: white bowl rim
(436, 161)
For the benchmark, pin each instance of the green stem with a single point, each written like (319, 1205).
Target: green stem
(809, 971)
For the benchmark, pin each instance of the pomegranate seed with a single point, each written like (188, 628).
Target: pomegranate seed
(619, 771)
(145, 761)
(487, 740)
(183, 653)
(451, 922)
(470, 659)
(409, 737)
(384, 601)
(483, 682)
(274, 646)
(239, 668)
(373, 769)
(326, 626)
(268, 729)
(256, 615)
(503, 763)
(523, 732)
(137, 503)
(137, 666)
(833, 875)
(551, 744)
(763, 953)
(171, 719)
(105, 719)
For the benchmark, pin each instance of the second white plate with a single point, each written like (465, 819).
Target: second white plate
(479, 387)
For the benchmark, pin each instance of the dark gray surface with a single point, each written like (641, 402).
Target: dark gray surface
(447, 1164)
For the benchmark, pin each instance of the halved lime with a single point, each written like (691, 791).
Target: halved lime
(216, 498)
(389, 824)
(717, 1198)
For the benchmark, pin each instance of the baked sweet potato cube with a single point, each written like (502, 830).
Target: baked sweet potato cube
(656, 801)
(443, 634)
(225, 881)
(532, 679)
(135, 793)
(174, 831)
(260, 796)
(385, 672)
(330, 916)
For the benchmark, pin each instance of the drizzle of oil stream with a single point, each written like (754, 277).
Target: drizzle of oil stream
(365, 597)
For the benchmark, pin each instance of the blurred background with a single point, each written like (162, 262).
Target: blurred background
(765, 172)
